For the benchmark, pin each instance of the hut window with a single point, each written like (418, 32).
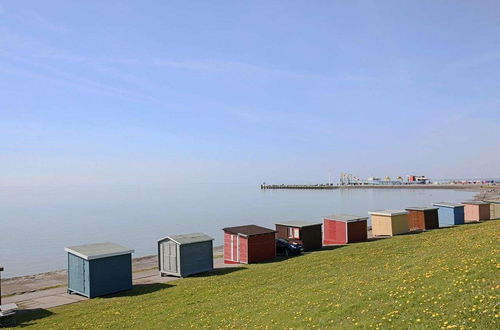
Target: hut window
(293, 232)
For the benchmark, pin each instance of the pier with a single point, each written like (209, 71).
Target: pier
(331, 186)
(299, 186)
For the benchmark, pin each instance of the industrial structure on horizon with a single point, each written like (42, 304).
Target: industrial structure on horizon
(347, 179)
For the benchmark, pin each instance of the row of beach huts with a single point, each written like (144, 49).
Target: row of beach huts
(105, 268)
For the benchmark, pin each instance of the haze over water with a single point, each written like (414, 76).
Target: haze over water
(38, 222)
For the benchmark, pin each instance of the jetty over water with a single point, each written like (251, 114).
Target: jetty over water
(299, 186)
(331, 186)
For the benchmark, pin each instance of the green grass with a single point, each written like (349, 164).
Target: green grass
(445, 278)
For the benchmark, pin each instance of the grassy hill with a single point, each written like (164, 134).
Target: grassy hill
(447, 278)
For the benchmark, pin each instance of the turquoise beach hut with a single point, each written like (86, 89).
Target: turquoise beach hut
(450, 214)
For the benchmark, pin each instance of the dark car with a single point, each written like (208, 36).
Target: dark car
(288, 248)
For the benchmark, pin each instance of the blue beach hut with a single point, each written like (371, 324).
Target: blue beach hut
(99, 269)
(450, 214)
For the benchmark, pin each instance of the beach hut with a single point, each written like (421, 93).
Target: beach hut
(184, 255)
(306, 233)
(344, 228)
(476, 211)
(423, 218)
(99, 269)
(450, 214)
(494, 208)
(7, 311)
(389, 222)
(248, 244)
(1, 270)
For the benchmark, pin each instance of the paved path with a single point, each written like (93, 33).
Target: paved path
(58, 296)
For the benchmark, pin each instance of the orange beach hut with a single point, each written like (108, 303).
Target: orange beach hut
(476, 211)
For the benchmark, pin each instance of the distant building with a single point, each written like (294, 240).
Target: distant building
(422, 179)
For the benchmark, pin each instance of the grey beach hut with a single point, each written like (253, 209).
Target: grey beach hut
(184, 255)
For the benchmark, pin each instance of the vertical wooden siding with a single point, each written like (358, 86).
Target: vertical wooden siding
(424, 220)
(495, 211)
(243, 250)
(357, 231)
(78, 274)
(400, 224)
(334, 232)
(110, 275)
(228, 247)
(416, 219)
(381, 225)
(449, 216)
(261, 247)
(389, 225)
(311, 237)
(281, 231)
(196, 258)
(474, 213)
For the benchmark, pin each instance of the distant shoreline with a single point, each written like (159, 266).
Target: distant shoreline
(483, 192)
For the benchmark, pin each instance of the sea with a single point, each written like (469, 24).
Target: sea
(37, 223)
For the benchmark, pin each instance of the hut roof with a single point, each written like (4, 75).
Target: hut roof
(475, 203)
(345, 217)
(249, 230)
(446, 204)
(388, 212)
(492, 201)
(299, 223)
(97, 251)
(188, 238)
(421, 208)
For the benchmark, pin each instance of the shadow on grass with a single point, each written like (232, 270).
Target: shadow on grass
(140, 289)
(412, 232)
(460, 225)
(27, 317)
(331, 247)
(219, 272)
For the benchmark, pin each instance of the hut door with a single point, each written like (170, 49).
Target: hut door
(235, 251)
(170, 257)
(77, 276)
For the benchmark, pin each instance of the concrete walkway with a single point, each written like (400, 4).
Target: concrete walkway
(57, 296)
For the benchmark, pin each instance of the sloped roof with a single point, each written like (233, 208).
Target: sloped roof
(446, 204)
(249, 230)
(188, 238)
(345, 217)
(298, 223)
(388, 212)
(475, 203)
(421, 208)
(98, 250)
(492, 201)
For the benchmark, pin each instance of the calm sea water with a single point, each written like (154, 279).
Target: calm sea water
(37, 223)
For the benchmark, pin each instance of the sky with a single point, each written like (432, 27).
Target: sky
(98, 92)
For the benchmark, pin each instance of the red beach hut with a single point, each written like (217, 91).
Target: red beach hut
(344, 228)
(248, 244)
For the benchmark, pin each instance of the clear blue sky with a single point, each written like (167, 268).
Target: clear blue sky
(247, 91)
